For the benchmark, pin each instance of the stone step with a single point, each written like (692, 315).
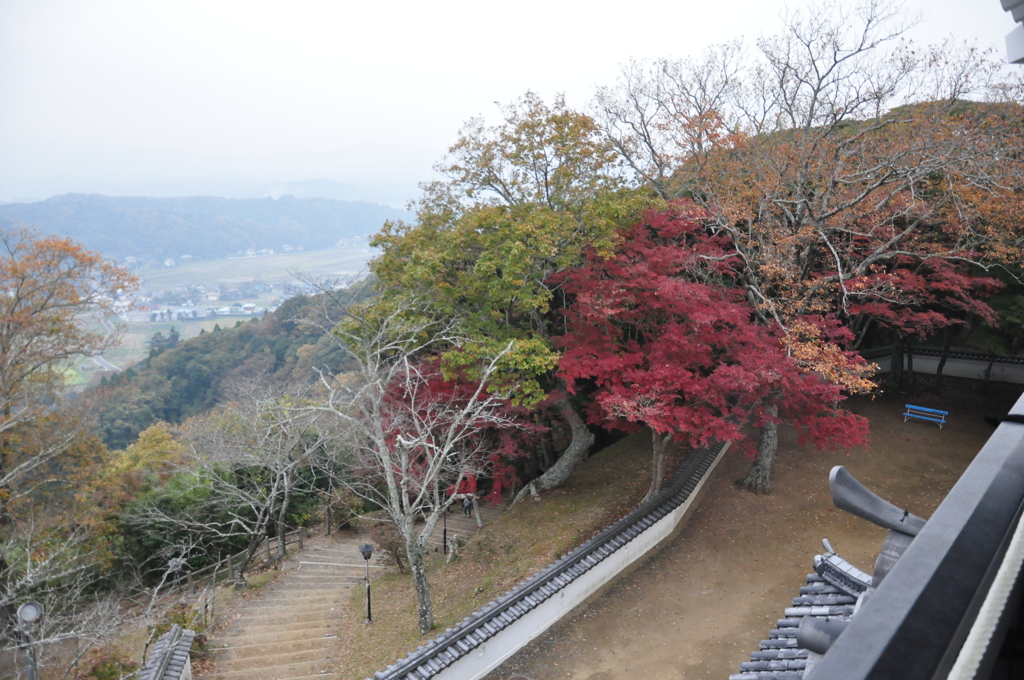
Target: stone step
(312, 617)
(300, 612)
(284, 620)
(303, 583)
(317, 601)
(268, 649)
(335, 573)
(312, 582)
(313, 587)
(351, 549)
(264, 661)
(260, 627)
(349, 555)
(283, 608)
(274, 635)
(311, 590)
(288, 671)
(340, 561)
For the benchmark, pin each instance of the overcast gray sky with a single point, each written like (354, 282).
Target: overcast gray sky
(114, 92)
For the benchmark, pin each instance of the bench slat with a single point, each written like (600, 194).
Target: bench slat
(922, 413)
(922, 417)
(911, 407)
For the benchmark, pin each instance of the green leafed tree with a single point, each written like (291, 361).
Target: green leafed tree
(519, 201)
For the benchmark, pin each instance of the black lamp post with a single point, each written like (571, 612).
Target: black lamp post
(444, 534)
(367, 550)
(29, 615)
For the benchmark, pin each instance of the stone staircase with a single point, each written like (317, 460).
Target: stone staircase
(287, 631)
(459, 524)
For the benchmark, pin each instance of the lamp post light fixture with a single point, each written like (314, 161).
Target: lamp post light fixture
(367, 550)
(29, 615)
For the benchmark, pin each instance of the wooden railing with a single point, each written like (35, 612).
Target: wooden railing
(225, 568)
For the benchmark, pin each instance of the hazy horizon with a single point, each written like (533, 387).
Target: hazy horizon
(395, 195)
(231, 99)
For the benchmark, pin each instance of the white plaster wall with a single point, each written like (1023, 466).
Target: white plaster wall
(960, 368)
(489, 656)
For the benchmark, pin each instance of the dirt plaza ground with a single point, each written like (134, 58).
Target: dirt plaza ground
(699, 607)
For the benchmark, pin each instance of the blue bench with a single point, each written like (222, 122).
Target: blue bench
(922, 413)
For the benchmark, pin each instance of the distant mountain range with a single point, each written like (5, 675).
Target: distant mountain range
(204, 227)
(30, 190)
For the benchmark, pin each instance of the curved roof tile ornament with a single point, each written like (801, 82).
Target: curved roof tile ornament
(1015, 39)
(835, 591)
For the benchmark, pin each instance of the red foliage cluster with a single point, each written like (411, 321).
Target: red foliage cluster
(916, 296)
(424, 410)
(665, 341)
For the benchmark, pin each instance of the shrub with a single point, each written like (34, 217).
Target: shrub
(387, 539)
(103, 665)
(346, 507)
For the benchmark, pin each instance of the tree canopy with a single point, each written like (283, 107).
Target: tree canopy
(668, 342)
(833, 155)
(49, 286)
(520, 202)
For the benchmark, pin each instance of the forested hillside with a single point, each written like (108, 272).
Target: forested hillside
(204, 227)
(189, 379)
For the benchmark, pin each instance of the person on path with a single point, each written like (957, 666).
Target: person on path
(467, 506)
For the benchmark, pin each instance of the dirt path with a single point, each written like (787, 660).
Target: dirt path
(286, 631)
(699, 607)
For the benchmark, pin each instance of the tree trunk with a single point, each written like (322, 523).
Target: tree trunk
(546, 460)
(476, 513)
(582, 440)
(947, 342)
(424, 607)
(861, 335)
(5, 454)
(910, 367)
(282, 529)
(758, 479)
(239, 575)
(896, 364)
(966, 329)
(659, 444)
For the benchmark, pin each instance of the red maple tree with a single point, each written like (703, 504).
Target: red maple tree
(424, 411)
(665, 341)
(913, 298)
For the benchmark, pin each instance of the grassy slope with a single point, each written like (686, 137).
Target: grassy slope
(524, 539)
